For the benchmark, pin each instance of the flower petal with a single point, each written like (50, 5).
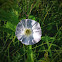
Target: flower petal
(35, 28)
(37, 37)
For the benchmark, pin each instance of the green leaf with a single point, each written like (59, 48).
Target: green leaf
(9, 16)
(10, 26)
(31, 17)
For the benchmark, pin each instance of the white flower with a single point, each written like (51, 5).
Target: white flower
(28, 32)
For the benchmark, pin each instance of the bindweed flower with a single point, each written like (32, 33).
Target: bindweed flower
(28, 31)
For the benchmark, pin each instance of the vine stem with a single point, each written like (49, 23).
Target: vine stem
(30, 57)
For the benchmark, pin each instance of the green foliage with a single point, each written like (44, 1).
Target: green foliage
(31, 17)
(48, 14)
(10, 26)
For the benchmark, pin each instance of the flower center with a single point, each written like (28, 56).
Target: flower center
(27, 32)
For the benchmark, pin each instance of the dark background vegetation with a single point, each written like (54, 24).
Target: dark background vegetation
(48, 13)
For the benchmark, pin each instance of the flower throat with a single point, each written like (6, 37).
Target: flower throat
(27, 32)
